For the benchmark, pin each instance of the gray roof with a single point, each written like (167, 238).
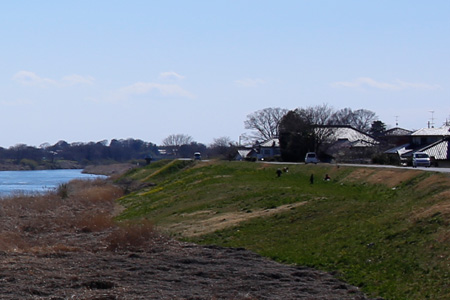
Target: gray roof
(441, 131)
(440, 150)
(348, 133)
(397, 131)
(271, 143)
(400, 150)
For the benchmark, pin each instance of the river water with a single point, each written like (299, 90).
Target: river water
(14, 182)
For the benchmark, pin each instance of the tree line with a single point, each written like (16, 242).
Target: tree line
(299, 130)
(307, 129)
(64, 155)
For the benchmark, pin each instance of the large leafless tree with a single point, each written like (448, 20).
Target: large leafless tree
(177, 140)
(265, 122)
(360, 119)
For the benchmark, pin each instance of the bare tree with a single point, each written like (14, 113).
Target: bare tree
(360, 119)
(224, 141)
(344, 116)
(177, 140)
(265, 122)
(364, 119)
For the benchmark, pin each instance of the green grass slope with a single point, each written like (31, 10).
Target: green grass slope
(384, 230)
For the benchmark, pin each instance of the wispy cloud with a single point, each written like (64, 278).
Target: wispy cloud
(166, 90)
(77, 79)
(397, 85)
(249, 82)
(32, 79)
(170, 75)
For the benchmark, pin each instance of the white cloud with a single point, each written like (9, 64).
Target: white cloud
(249, 82)
(77, 79)
(32, 79)
(170, 75)
(396, 85)
(141, 88)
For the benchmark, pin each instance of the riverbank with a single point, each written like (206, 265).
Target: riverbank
(24, 166)
(66, 245)
(109, 170)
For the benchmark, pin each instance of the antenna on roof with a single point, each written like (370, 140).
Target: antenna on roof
(432, 118)
(396, 121)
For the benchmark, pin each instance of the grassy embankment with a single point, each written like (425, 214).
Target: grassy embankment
(384, 230)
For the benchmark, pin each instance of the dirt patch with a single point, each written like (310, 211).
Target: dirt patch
(68, 248)
(210, 221)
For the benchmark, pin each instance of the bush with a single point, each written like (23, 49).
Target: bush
(385, 159)
(131, 235)
(29, 163)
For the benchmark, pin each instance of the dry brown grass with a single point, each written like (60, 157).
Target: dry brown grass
(442, 208)
(130, 235)
(208, 221)
(78, 217)
(388, 177)
(433, 182)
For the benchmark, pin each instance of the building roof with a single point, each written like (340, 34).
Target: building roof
(271, 143)
(397, 131)
(349, 133)
(441, 131)
(244, 152)
(440, 150)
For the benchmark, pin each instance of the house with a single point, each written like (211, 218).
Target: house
(433, 141)
(267, 150)
(395, 137)
(344, 143)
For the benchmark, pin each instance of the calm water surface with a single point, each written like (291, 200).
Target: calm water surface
(12, 182)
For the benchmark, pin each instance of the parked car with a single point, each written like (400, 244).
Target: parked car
(311, 158)
(197, 156)
(420, 159)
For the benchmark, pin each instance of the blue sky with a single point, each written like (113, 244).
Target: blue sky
(85, 71)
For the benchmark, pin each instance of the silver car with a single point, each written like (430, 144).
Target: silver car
(311, 158)
(421, 159)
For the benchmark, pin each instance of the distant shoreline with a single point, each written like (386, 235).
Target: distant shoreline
(108, 170)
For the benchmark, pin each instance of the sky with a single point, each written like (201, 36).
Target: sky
(83, 71)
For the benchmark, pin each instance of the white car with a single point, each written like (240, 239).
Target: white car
(421, 159)
(311, 158)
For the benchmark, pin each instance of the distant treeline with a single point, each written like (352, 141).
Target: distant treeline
(65, 155)
(50, 156)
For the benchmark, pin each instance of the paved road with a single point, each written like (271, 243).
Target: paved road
(432, 169)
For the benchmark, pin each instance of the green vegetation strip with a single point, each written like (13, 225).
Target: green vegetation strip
(386, 231)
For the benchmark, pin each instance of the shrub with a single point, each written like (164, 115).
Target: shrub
(130, 235)
(29, 163)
